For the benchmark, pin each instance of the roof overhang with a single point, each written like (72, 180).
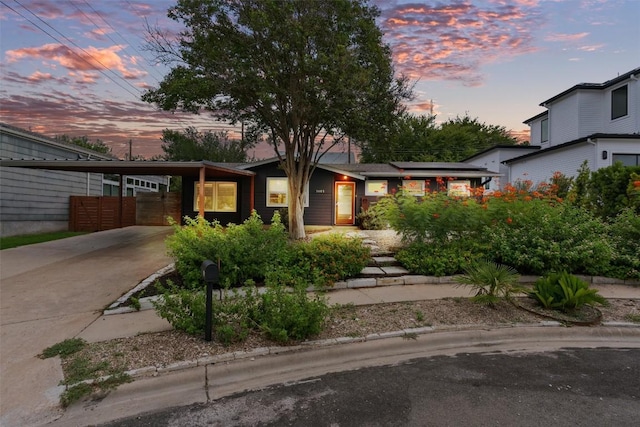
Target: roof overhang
(431, 174)
(130, 167)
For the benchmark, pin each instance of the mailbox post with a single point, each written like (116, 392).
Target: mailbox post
(211, 276)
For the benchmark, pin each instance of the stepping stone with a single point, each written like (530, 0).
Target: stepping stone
(394, 270)
(372, 271)
(384, 260)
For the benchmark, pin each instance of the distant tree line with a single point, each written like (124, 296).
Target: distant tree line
(419, 138)
(84, 142)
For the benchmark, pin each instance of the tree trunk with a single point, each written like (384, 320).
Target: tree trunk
(296, 211)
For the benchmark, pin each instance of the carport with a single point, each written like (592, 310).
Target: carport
(202, 170)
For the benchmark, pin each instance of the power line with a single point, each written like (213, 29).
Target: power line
(184, 124)
(129, 44)
(71, 50)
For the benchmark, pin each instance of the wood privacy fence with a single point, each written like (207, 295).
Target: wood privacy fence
(89, 213)
(154, 208)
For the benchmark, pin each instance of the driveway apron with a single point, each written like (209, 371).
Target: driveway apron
(52, 291)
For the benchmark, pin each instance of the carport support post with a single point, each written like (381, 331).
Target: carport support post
(211, 275)
(201, 193)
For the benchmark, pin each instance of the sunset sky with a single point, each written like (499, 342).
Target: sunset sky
(79, 67)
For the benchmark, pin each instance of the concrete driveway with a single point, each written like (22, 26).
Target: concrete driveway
(52, 291)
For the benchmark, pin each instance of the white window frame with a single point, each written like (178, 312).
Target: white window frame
(384, 187)
(213, 187)
(459, 188)
(284, 204)
(413, 187)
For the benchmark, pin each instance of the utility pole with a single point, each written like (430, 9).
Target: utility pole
(130, 149)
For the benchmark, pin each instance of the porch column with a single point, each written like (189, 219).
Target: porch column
(252, 192)
(201, 192)
(121, 202)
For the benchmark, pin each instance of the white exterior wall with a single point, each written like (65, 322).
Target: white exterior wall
(629, 123)
(493, 162)
(615, 146)
(535, 132)
(563, 120)
(591, 112)
(542, 167)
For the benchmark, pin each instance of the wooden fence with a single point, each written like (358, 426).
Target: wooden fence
(90, 213)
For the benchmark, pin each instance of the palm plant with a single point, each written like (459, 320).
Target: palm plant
(565, 292)
(492, 282)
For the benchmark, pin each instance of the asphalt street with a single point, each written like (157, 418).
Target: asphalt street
(571, 387)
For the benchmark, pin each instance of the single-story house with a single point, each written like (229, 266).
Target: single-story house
(335, 194)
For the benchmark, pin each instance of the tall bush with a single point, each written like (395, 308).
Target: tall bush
(624, 233)
(543, 238)
(607, 189)
(435, 217)
(245, 251)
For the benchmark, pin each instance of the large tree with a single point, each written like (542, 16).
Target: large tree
(194, 145)
(418, 138)
(307, 73)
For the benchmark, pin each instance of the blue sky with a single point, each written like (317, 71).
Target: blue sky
(78, 67)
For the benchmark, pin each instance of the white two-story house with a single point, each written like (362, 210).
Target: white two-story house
(596, 122)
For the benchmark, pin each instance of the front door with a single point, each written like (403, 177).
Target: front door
(345, 203)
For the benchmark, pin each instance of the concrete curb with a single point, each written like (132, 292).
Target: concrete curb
(355, 283)
(410, 333)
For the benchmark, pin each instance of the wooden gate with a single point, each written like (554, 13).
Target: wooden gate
(91, 213)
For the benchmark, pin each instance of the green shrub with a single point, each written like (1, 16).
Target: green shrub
(282, 313)
(331, 257)
(435, 217)
(291, 314)
(440, 259)
(491, 281)
(541, 237)
(245, 251)
(624, 233)
(183, 308)
(607, 189)
(565, 292)
(374, 218)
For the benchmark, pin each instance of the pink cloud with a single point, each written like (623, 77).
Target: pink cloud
(456, 39)
(39, 77)
(591, 48)
(77, 61)
(557, 37)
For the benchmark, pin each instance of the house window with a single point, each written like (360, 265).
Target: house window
(544, 130)
(459, 188)
(218, 196)
(627, 159)
(413, 187)
(278, 193)
(619, 102)
(375, 188)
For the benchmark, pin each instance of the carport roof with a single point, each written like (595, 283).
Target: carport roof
(130, 167)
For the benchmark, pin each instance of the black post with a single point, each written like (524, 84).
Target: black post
(210, 274)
